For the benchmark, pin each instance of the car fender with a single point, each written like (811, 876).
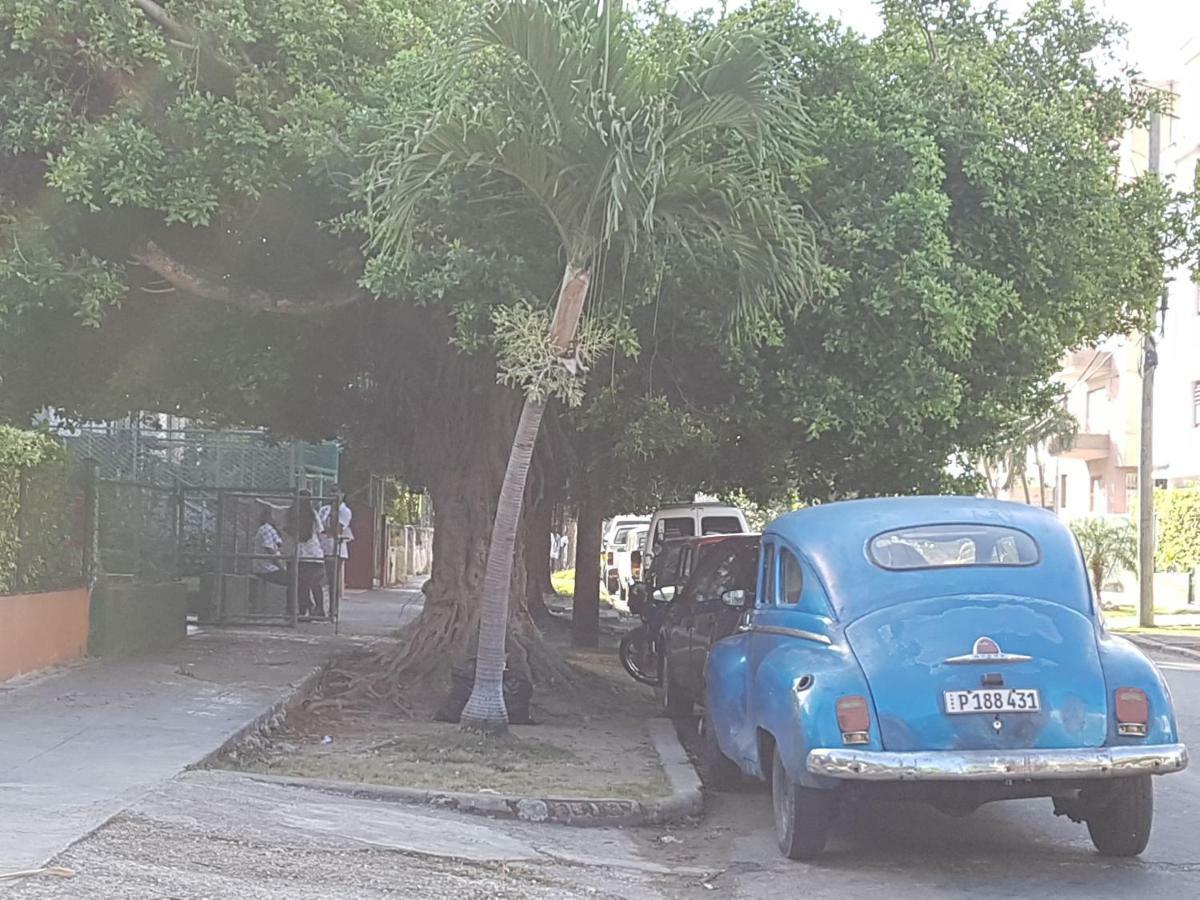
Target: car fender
(1125, 665)
(796, 690)
(725, 672)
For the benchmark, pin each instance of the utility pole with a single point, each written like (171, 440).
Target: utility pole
(1146, 448)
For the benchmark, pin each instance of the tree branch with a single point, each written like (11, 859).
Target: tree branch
(251, 299)
(162, 19)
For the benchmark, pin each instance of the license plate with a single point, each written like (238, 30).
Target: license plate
(997, 700)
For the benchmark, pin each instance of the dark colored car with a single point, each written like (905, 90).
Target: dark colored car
(706, 608)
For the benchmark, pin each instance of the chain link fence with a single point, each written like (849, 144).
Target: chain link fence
(198, 457)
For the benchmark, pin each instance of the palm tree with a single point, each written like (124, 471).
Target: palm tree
(1109, 547)
(623, 152)
(1054, 429)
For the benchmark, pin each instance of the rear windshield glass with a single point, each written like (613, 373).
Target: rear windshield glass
(720, 525)
(933, 546)
(675, 528)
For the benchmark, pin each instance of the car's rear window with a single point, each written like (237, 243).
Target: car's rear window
(720, 525)
(675, 527)
(938, 546)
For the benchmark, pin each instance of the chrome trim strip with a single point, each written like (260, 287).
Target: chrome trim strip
(987, 658)
(791, 632)
(999, 765)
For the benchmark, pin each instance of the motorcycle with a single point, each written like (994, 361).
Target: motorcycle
(640, 648)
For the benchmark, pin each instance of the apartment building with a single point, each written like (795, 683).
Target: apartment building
(1097, 473)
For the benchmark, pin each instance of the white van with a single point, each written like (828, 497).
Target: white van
(697, 519)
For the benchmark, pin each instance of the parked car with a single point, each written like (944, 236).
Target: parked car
(942, 649)
(623, 560)
(684, 520)
(654, 598)
(705, 609)
(616, 531)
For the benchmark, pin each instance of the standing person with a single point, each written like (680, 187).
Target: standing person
(267, 563)
(554, 547)
(336, 551)
(307, 532)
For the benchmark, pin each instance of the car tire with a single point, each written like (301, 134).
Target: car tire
(1121, 827)
(802, 815)
(717, 771)
(676, 703)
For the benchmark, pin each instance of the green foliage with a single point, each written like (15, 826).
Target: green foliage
(1178, 514)
(526, 360)
(955, 174)
(624, 149)
(40, 544)
(1109, 548)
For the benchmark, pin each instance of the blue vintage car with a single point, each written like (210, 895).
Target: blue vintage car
(941, 649)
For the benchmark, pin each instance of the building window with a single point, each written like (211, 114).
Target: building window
(1196, 404)
(1096, 414)
(1062, 491)
(1096, 496)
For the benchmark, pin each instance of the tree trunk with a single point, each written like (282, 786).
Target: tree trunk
(1098, 579)
(537, 558)
(485, 710)
(585, 615)
(1025, 486)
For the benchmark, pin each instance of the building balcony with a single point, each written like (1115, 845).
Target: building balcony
(1087, 446)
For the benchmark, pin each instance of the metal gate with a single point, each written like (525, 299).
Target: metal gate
(208, 537)
(249, 584)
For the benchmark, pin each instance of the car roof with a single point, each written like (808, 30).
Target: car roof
(703, 504)
(834, 537)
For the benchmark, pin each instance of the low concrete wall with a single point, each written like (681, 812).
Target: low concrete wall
(131, 617)
(39, 630)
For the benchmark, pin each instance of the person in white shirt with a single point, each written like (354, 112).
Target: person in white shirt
(335, 562)
(307, 533)
(267, 563)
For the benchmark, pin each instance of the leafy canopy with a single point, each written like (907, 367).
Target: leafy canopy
(626, 147)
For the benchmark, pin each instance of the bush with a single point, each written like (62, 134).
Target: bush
(1178, 514)
(40, 511)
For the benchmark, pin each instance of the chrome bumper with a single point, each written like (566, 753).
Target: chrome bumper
(989, 765)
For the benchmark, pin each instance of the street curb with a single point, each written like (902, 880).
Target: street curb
(687, 798)
(684, 800)
(1161, 646)
(266, 721)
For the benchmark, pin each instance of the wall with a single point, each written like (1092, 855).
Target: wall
(129, 616)
(39, 630)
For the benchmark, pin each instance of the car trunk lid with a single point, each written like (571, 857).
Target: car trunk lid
(914, 652)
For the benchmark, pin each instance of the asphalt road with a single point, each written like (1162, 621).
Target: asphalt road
(1009, 849)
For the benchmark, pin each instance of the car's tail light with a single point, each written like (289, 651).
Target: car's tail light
(610, 557)
(854, 720)
(1133, 711)
(635, 564)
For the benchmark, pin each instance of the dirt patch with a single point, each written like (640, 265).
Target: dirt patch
(589, 741)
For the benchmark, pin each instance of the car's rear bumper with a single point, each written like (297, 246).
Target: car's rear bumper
(988, 765)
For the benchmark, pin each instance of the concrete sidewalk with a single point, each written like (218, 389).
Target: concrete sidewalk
(79, 745)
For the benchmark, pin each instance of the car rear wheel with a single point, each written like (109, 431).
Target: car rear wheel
(802, 815)
(717, 771)
(676, 703)
(1121, 827)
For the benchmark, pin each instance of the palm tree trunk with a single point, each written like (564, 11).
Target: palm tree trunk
(485, 710)
(1025, 486)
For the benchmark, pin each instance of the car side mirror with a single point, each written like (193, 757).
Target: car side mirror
(735, 598)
